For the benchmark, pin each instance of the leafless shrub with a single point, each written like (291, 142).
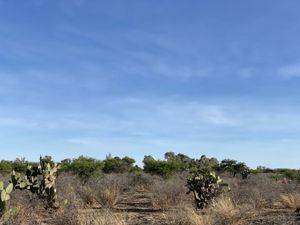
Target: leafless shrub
(70, 191)
(168, 193)
(260, 191)
(143, 181)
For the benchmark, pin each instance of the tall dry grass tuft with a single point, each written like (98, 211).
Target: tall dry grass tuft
(107, 190)
(225, 212)
(290, 201)
(187, 215)
(108, 197)
(87, 196)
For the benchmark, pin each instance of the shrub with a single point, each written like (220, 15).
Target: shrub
(234, 167)
(161, 167)
(5, 166)
(118, 165)
(84, 167)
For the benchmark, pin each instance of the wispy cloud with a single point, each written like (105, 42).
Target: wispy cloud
(291, 71)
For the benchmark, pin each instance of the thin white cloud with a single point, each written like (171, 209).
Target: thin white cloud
(290, 71)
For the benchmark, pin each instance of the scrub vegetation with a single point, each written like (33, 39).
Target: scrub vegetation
(178, 190)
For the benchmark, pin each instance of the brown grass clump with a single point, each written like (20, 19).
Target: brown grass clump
(108, 197)
(107, 190)
(187, 215)
(87, 195)
(290, 201)
(225, 212)
(77, 217)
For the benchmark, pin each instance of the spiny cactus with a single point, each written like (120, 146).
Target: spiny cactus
(205, 185)
(5, 195)
(47, 186)
(39, 180)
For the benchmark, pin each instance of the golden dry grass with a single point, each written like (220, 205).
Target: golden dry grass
(108, 197)
(187, 215)
(224, 211)
(290, 201)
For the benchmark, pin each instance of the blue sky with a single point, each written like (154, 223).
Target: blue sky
(142, 77)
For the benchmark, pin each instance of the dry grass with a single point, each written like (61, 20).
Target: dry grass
(70, 189)
(75, 217)
(247, 199)
(19, 216)
(290, 201)
(225, 212)
(258, 191)
(166, 194)
(107, 190)
(87, 195)
(108, 197)
(187, 215)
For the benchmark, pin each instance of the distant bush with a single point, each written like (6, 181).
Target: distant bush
(20, 165)
(6, 166)
(84, 167)
(162, 167)
(177, 163)
(292, 174)
(234, 167)
(205, 163)
(118, 165)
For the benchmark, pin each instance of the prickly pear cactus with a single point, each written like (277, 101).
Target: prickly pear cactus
(205, 185)
(39, 180)
(5, 195)
(47, 186)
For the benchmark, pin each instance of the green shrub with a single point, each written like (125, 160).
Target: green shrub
(162, 167)
(5, 166)
(118, 165)
(84, 167)
(235, 167)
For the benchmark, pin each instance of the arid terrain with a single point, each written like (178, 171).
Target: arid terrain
(131, 199)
